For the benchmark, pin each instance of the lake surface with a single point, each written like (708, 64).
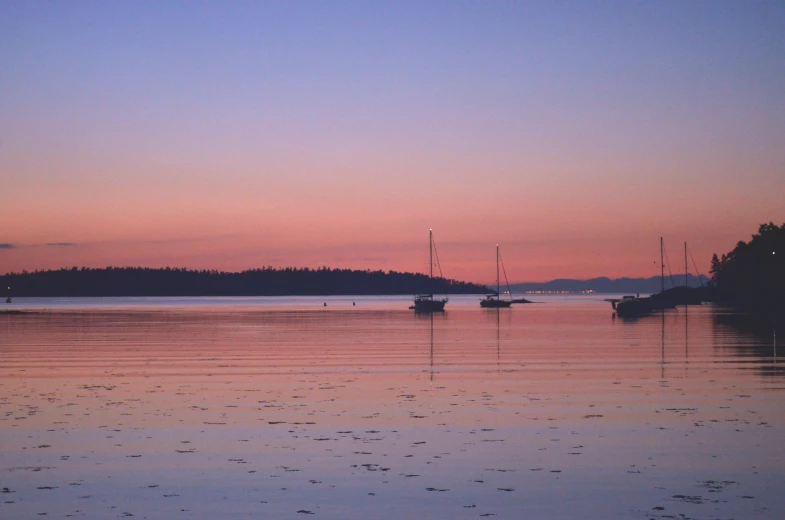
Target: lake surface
(204, 408)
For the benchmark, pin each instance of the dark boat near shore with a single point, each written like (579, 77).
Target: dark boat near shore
(684, 295)
(633, 306)
(426, 302)
(665, 299)
(630, 306)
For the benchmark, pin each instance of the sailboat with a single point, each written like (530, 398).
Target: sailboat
(494, 301)
(426, 302)
(686, 295)
(634, 306)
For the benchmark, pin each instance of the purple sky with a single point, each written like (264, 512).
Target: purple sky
(235, 135)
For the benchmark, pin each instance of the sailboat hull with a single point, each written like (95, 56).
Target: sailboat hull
(428, 305)
(495, 304)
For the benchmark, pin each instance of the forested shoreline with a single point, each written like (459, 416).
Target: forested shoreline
(269, 281)
(753, 273)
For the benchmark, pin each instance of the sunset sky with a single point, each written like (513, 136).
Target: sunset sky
(234, 135)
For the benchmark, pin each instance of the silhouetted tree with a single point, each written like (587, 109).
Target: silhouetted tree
(753, 273)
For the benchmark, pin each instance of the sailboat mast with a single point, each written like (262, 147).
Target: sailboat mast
(686, 283)
(430, 253)
(497, 271)
(662, 266)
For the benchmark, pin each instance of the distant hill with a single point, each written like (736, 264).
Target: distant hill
(138, 281)
(609, 285)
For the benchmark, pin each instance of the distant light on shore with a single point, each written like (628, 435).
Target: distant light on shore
(584, 291)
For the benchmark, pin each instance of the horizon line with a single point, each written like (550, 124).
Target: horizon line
(488, 284)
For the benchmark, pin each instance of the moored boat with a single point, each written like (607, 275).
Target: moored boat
(633, 306)
(665, 299)
(494, 301)
(427, 302)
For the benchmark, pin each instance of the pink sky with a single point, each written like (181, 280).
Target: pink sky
(226, 139)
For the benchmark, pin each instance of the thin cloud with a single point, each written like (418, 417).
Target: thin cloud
(61, 244)
(7, 246)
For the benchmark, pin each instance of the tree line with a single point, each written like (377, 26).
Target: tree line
(269, 281)
(753, 273)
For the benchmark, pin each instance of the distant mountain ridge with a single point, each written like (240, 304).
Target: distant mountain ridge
(610, 285)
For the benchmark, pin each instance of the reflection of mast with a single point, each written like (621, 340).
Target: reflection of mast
(431, 346)
(498, 343)
(662, 374)
(686, 335)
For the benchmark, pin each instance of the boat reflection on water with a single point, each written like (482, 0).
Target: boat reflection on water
(495, 314)
(759, 329)
(498, 341)
(429, 317)
(660, 317)
(361, 379)
(438, 328)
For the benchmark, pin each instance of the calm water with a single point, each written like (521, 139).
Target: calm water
(284, 408)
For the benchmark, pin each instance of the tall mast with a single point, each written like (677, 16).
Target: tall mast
(685, 265)
(430, 252)
(498, 294)
(662, 267)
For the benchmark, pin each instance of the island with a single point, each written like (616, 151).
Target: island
(269, 281)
